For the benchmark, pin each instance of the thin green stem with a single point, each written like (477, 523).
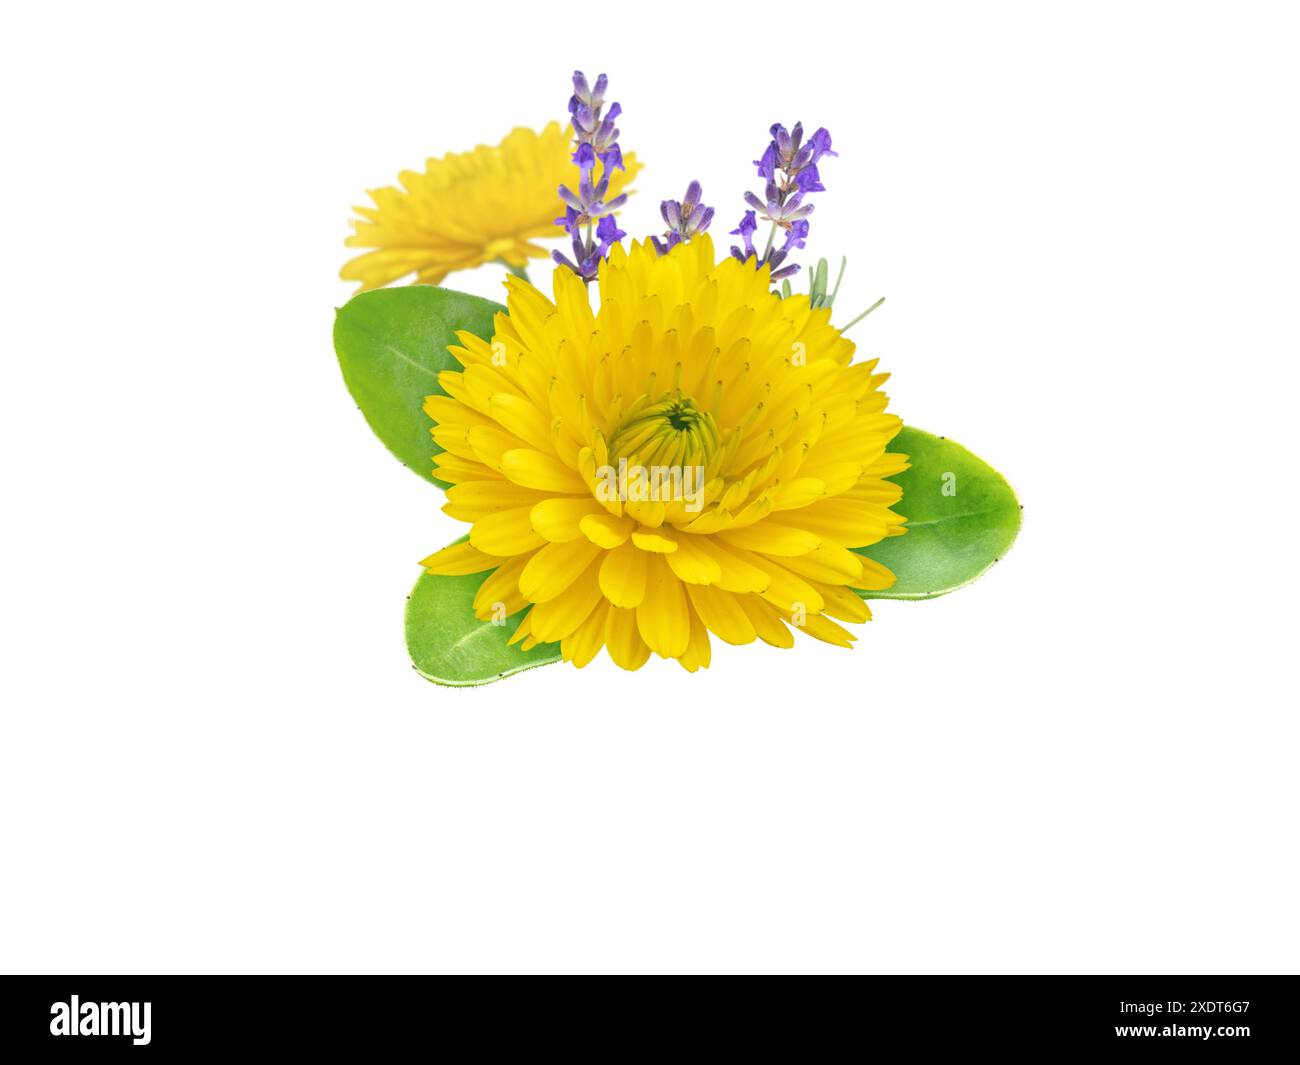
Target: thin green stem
(862, 315)
(518, 271)
(844, 262)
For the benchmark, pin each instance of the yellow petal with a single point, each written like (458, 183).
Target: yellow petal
(692, 564)
(506, 532)
(737, 574)
(558, 519)
(830, 563)
(843, 604)
(582, 646)
(554, 568)
(454, 439)
(822, 628)
(533, 469)
(650, 513)
(483, 497)
(623, 576)
(847, 519)
(662, 617)
(889, 465)
(785, 589)
(447, 411)
(698, 652)
(799, 493)
(605, 530)
(522, 632)
(488, 443)
(838, 476)
(771, 539)
(560, 617)
(722, 613)
(875, 577)
(766, 621)
(500, 592)
(622, 640)
(458, 560)
(518, 416)
(654, 542)
(455, 470)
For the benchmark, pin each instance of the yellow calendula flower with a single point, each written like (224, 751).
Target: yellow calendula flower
(554, 431)
(470, 208)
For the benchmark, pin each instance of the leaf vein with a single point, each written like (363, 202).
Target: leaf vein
(950, 517)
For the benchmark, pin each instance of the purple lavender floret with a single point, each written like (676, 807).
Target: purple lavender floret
(746, 230)
(608, 233)
(809, 180)
(587, 264)
(597, 136)
(778, 207)
(583, 96)
(684, 218)
(787, 151)
(795, 237)
(588, 204)
(820, 142)
(789, 166)
(595, 139)
(587, 259)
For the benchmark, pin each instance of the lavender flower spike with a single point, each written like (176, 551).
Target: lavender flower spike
(595, 140)
(596, 134)
(789, 166)
(684, 218)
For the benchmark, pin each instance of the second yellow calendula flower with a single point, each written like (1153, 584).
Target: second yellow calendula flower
(469, 208)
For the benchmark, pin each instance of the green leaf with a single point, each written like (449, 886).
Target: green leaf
(962, 517)
(391, 344)
(450, 646)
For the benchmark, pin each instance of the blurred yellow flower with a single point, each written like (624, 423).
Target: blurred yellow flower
(470, 208)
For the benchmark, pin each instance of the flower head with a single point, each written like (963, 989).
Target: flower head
(595, 139)
(469, 208)
(790, 167)
(684, 218)
(788, 153)
(694, 459)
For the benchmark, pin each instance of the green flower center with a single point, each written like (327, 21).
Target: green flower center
(674, 432)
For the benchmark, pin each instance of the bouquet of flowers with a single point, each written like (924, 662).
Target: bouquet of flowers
(656, 445)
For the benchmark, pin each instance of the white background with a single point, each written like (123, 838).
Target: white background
(215, 756)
